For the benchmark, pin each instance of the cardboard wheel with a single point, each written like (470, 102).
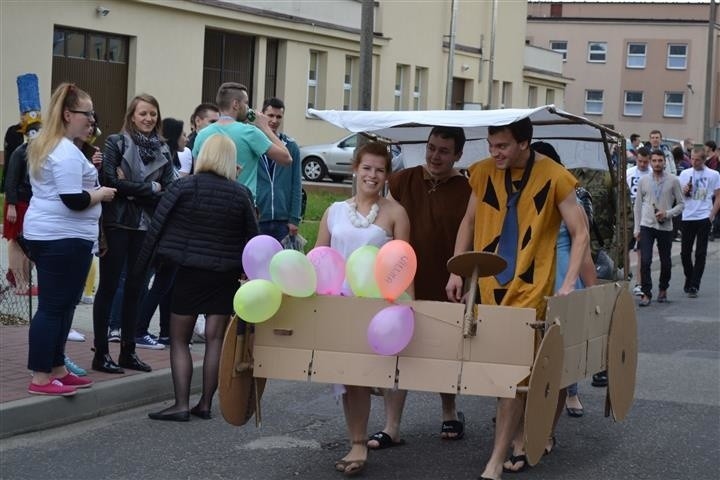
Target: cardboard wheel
(622, 356)
(238, 391)
(487, 264)
(542, 396)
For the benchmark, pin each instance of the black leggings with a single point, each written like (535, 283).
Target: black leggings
(123, 245)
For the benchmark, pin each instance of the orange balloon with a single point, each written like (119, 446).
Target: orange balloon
(395, 267)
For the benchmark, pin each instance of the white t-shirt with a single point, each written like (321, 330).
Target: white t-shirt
(633, 176)
(66, 170)
(185, 158)
(705, 183)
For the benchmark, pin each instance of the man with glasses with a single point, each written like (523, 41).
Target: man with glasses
(252, 141)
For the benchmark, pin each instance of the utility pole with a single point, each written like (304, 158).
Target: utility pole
(491, 62)
(451, 57)
(367, 25)
(709, 87)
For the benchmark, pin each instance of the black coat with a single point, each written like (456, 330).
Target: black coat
(134, 195)
(203, 221)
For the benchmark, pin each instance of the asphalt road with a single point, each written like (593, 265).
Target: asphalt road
(672, 431)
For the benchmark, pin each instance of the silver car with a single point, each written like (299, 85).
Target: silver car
(335, 159)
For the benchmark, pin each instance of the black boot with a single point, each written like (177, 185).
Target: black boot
(103, 362)
(129, 359)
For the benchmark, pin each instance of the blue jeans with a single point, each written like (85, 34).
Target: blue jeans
(158, 295)
(62, 267)
(277, 229)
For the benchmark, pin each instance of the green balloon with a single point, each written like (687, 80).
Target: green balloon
(257, 300)
(360, 272)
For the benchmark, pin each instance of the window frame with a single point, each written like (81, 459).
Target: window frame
(601, 102)
(627, 103)
(590, 52)
(672, 56)
(312, 83)
(564, 51)
(630, 55)
(667, 103)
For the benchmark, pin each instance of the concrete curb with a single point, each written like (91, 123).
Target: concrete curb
(103, 398)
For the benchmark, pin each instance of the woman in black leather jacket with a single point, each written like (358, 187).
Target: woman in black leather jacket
(201, 226)
(136, 162)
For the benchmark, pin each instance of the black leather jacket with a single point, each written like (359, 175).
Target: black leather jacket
(134, 194)
(203, 221)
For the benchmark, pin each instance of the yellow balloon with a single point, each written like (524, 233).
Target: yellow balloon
(257, 300)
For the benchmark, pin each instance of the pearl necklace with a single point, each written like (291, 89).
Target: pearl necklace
(358, 220)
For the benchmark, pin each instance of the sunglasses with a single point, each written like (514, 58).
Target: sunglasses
(88, 113)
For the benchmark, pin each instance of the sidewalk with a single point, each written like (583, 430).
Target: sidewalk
(21, 412)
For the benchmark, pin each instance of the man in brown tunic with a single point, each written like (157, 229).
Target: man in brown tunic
(434, 195)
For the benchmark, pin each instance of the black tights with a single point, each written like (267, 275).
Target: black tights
(181, 330)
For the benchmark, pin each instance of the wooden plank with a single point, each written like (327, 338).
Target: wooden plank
(503, 336)
(429, 375)
(354, 369)
(281, 363)
(491, 379)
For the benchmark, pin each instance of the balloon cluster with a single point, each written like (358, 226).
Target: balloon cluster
(371, 272)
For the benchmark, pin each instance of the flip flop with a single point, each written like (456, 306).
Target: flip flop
(552, 447)
(384, 441)
(342, 467)
(454, 426)
(516, 459)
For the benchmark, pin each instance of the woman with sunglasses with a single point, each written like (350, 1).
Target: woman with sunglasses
(61, 227)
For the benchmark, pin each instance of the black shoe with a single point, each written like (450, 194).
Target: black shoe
(132, 362)
(692, 292)
(104, 363)
(204, 414)
(600, 379)
(171, 417)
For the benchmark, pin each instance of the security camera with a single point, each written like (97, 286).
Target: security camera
(102, 11)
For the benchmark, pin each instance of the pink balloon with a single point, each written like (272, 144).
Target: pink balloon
(395, 267)
(330, 270)
(257, 255)
(391, 329)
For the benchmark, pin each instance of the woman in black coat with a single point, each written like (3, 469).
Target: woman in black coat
(201, 225)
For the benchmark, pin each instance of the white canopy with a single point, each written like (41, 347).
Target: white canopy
(578, 140)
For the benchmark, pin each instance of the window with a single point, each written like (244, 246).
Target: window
(98, 47)
(636, 53)
(75, 44)
(420, 89)
(633, 104)
(594, 102)
(677, 56)
(506, 95)
(550, 96)
(674, 104)
(532, 96)
(559, 46)
(89, 45)
(400, 79)
(350, 99)
(597, 52)
(312, 82)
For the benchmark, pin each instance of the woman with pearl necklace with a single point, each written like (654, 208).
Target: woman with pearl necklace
(365, 219)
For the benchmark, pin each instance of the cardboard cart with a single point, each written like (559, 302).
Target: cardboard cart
(465, 349)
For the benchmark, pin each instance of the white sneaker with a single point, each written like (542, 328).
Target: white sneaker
(75, 336)
(87, 299)
(637, 291)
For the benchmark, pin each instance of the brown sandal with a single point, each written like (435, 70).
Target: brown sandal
(350, 468)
